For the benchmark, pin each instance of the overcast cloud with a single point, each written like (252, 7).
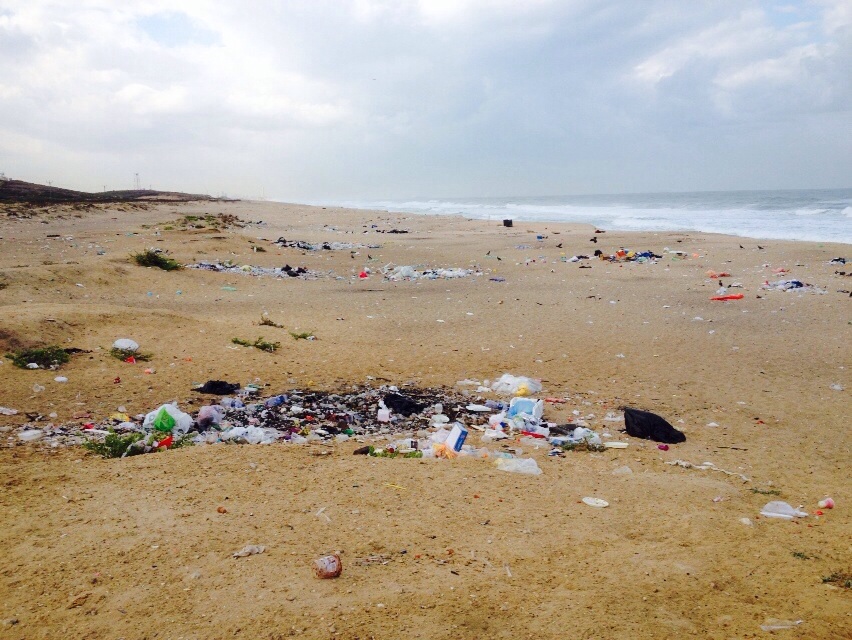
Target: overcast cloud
(323, 99)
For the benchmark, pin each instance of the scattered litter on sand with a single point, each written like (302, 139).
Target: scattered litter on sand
(249, 550)
(324, 246)
(408, 272)
(705, 467)
(773, 624)
(791, 285)
(268, 272)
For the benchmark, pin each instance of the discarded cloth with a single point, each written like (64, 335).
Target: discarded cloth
(644, 424)
(218, 387)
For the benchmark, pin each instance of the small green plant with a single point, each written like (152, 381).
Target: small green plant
(114, 445)
(583, 445)
(258, 249)
(266, 322)
(766, 492)
(42, 356)
(124, 354)
(260, 343)
(801, 555)
(152, 258)
(371, 451)
(304, 335)
(839, 579)
(186, 440)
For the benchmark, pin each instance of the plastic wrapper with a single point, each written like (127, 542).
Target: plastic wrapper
(516, 385)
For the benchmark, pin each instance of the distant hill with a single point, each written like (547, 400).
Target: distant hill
(12, 191)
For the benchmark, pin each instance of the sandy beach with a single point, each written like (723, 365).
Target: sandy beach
(135, 547)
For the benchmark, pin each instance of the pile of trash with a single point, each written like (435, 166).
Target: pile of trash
(269, 272)
(436, 423)
(628, 255)
(324, 246)
(791, 285)
(407, 272)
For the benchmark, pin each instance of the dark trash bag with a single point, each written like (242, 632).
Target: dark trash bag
(644, 424)
(403, 405)
(218, 387)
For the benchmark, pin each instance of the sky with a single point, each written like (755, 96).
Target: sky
(307, 100)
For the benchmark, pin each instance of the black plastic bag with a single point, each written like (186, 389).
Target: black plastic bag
(403, 405)
(217, 387)
(650, 426)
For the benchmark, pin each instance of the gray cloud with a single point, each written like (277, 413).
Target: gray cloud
(373, 98)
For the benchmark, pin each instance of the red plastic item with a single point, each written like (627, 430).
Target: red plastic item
(363, 275)
(117, 380)
(730, 296)
(130, 360)
(663, 447)
(532, 434)
(166, 443)
(89, 425)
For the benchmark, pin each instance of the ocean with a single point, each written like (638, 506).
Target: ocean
(823, 215)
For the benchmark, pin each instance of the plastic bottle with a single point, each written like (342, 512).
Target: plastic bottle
(275, 401)
(232, 403)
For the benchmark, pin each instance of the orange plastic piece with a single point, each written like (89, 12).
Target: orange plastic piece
(730, 296)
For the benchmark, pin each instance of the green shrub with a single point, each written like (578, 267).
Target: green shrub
(124, 354)
(151, 258)
(260, 343)
(114, 445)
(42, 356)
(839, 579)
(266, 322)
(583, 445)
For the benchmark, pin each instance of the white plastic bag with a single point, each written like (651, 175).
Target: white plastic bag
(125, 344)
(210, 415)
(254, 435)
(183, 421)
(516, 385)
(440, 436)
(779, 509)
(518, 465)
